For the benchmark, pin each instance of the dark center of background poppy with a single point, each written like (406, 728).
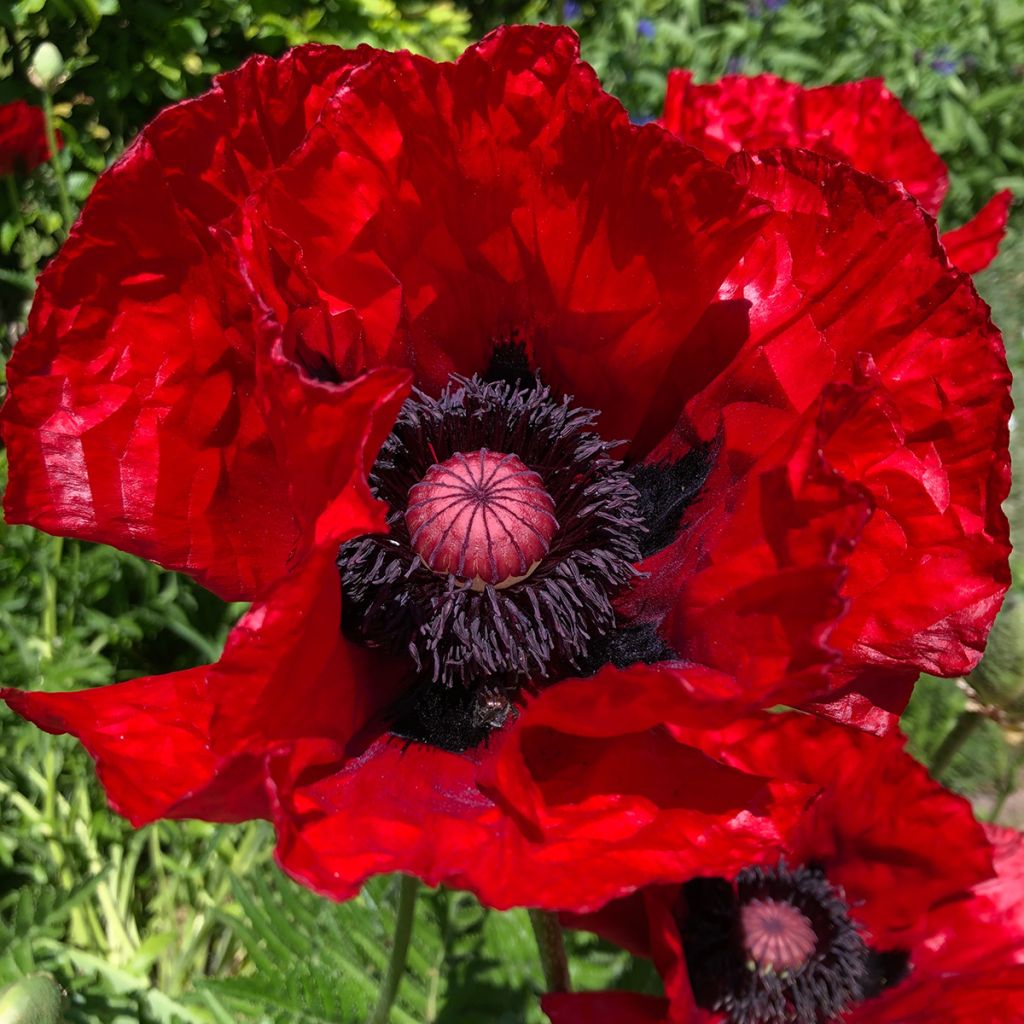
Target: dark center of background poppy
(778, 946)
(513, 525)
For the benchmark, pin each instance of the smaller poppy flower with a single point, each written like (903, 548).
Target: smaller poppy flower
(861, 123)
(23, 145)
(878, 904)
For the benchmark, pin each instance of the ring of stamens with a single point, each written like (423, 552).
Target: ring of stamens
(532, 601)
(512, 526)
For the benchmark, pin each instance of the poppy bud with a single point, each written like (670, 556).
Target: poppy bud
(46, 71)
(34, 1000)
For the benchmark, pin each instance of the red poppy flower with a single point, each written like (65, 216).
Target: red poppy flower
(804, 508)
(23, 145)
(877, 904)
(861, 122)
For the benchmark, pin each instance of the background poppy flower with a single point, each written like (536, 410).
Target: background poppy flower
(23, 145)
(804, 505)
(934, 935)
(860, 122)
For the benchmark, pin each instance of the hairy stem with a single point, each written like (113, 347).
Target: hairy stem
(50, 624)
(58, 170)
(1006, 788)
(551, 947)
(966, 725)
(16, 218)
(399, 949)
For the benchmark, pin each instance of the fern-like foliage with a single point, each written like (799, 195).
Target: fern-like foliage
(310, 961)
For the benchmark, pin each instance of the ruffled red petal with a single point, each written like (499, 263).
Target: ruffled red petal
(200, 738)
(929, 572)
(131, 417)
(859, 122)
(561, 811)
(836, 384)
(987, 993)
(753, 588)
(604, 1008)
(1004, 891)
(451, 205)
(910, 840)
(914, 865)
(969, 958)
(194, 743)
(23, 145)
(622, 922)
(326, 437)
(150, 741)
(897, 852)
(288, 673)
(974, 246)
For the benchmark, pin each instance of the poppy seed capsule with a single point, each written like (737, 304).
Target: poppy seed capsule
(482, 516)
(776, 935)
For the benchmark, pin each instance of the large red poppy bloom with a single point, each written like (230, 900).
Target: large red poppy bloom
(877, 905)
(804, 508)
(23, 145)
(861, 122)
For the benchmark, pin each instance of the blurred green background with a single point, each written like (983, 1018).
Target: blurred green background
(188, 922)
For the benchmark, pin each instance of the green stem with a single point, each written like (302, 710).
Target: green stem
(58, 171)
(1006, 789)
(550, 945)
(966, 725)
(19, 222)
(1005, 792)
(399, 950)
(50, 593)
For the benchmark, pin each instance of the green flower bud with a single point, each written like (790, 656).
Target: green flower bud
(999, 679)
(34, 1000)
(47, 68)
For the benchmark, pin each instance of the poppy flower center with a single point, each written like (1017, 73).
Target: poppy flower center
(775, 946)
(512, 526)
(483, 517)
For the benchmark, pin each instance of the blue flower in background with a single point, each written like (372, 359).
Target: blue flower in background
(645, 27)
(944, 61)
(734, 65)
(641, 118)
(571, 10)
(757, 8)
